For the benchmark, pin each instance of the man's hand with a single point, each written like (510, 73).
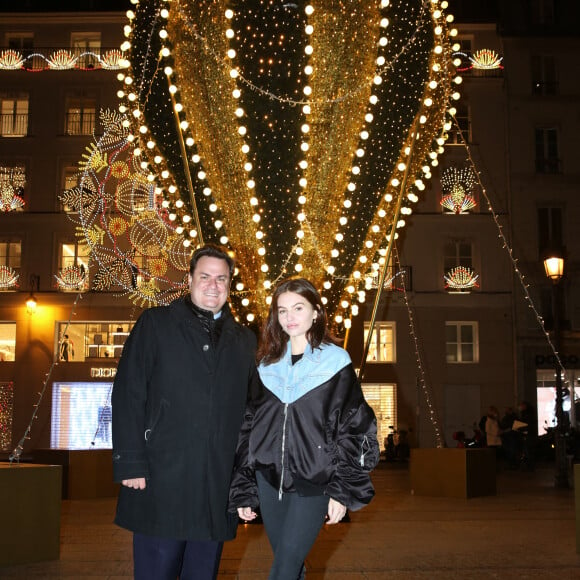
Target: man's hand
(336, 511)
(247, 514)
(137, 483)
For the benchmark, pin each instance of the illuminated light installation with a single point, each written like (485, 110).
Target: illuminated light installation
(72, 279)
(11, 60)
(12, 182)
(301, 126)
(484, 60)
(8, 279)
(132, 239)
(6, 413)
(62, 59)
(461, 279)
(457, 184)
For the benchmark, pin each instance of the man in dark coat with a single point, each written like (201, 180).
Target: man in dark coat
(178, 402)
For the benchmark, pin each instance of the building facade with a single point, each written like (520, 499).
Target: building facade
(466, 318)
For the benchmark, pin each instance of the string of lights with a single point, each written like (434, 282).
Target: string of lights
(422, 378)
(17, 451)
(509, 250)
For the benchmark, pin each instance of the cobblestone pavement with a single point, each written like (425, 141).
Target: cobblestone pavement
(526, 531)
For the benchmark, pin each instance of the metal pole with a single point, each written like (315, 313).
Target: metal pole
(561, 475)
(383, 274)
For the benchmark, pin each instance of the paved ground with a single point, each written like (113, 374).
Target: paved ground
(526, 531)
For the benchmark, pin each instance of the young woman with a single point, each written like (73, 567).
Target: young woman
(308, 441)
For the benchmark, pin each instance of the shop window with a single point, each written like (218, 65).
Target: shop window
(7, 341)
(92, 340)
(14, 115)
(81, 416)
(382, 345)
(461, 342)
(383, 400)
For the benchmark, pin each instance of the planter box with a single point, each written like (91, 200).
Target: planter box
(87, 473)
(453, 472)
(31, 498)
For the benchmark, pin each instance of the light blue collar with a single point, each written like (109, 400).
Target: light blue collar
(290, 382)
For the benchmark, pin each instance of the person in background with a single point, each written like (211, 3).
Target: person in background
(308, 442)
(493, 431)
(528, 435)
(509, 438)
(178, 402)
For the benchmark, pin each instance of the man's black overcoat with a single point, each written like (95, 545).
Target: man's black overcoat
(178, 404)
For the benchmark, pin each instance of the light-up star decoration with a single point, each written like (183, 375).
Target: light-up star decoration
(298, 134)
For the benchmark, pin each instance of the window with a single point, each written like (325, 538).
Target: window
(10, 253)
(544, 79)
(457, 253)
(20, 41)
(85, 45)
(550, 231)
(92, 340)
(383, 401)
(543, 12)
(74, 254)
(14, 115)
(547, 160)
(382, 346)
(461, 342)
(70, 180)
(80, 115)
(81, 416)
(458, 135)
(7, 341)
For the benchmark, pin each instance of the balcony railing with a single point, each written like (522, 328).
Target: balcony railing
(39, 59)
(80, 123)
(13, 125)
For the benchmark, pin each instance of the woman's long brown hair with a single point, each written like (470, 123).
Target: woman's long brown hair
(273, 339)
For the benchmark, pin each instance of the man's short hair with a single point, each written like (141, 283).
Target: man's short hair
(212, 251)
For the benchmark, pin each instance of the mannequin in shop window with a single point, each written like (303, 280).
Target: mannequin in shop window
(67, 349)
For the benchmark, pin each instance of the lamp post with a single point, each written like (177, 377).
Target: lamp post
(554, 266)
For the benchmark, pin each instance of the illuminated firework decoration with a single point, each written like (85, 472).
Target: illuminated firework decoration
(12, 182)
(8, 278)
(461, 279)
(481, 60)
(299, 135)
(457, 185)
(72, 279)
(486, 59)
(61, 59)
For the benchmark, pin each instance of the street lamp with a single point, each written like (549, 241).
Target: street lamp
(554, 266)
(31, 302)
